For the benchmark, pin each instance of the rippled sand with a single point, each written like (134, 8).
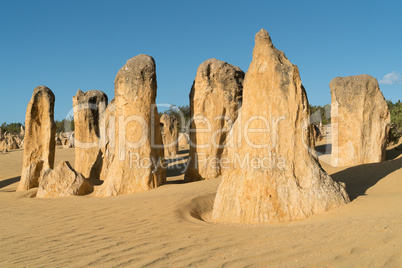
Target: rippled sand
(164, 227)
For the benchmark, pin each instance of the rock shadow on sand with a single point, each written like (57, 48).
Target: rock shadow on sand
(392, 154)
(177, 159)
(323, 149)
(360, 178)
(186, 151)
(7, 182)
(176, 168)
(175, 171)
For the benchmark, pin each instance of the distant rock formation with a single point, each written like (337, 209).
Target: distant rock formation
(39, 142)
(63, 181)
(66, 139)
(138, 159)
(9, 142)
(273, 175)
(214, 101)
(317, 133)
(22, 131)
(184, 139)
(89, 129)
(58, 140)
(360, 121)
(170, 135)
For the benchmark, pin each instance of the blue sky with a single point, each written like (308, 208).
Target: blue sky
(71, 45)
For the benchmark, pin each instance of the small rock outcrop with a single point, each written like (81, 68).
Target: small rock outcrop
(170, 135)
(9, 142)
(13, 143)
(138, 158)
(273, 175)
(66, 139)
(39, 142)
(89, 129)
(360, 121)
(214, 101)
(63, 181)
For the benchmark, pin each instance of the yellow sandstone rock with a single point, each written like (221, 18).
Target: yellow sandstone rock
(214, 101)
(360, 121)
(272, 175)
(39, 141)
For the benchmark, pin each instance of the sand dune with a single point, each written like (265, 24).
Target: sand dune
(166, 226)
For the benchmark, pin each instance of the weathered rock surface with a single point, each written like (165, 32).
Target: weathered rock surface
(184, 139)
(89, 129)
(63, 181)
(108, 147)
(360, 121)
(214, 101)
(277, 178)
(170, 135)
(138, 159)
(39, 143)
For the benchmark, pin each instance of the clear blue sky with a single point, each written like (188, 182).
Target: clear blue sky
(71, 45)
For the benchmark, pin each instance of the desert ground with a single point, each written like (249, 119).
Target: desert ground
(169, 227)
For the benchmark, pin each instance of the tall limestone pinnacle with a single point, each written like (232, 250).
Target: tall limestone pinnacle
(215, 98)
(137, 164)
(273, 175)
(360, 121)
(39, 141)
(89, 111)
(170, 135)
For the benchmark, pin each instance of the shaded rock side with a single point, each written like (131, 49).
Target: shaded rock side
(89, 129)
(108, 147)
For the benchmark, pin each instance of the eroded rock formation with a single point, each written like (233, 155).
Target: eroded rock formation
(184, 139)
(39, 142)
(138, 158)
(63, 181)
(170, 135)
(108, 147)
(89, 129)
(214, 101)
(360, 121)
(272, 175)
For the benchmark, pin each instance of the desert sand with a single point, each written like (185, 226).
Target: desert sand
(168, 226)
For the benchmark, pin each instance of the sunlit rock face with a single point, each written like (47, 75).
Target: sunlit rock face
(272, 175)
(360, 121)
